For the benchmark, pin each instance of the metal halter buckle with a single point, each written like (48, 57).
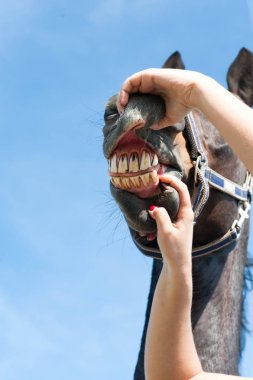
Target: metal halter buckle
(244, 210)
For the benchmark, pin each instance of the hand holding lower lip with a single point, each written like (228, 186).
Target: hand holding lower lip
(175, 239)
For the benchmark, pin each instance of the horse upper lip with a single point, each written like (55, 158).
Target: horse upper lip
(119, 131)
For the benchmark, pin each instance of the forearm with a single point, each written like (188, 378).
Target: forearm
(170, 351)
(232, 117)
(217, 376)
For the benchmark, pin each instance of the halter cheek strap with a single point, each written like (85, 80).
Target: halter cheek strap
(204, 178)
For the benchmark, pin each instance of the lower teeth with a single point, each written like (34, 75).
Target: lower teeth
(136, 181)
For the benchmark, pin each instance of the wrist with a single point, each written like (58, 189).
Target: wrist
(180, 276)
(200, 88)
(180, 265)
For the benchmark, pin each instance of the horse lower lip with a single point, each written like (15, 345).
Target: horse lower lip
(151, 236)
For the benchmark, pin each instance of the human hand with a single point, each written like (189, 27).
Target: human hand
(175, 239)
(178, 88)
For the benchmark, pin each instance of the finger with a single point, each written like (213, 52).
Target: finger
(121, 99)
(124, 93)
(142, 81)
(185, 208)
(162, 219)
(131, 85)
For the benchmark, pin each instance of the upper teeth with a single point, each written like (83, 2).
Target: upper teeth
(132, 166)
(133, 163)
(155, 160)
(145, 161)
(123, 165)
(113, 164)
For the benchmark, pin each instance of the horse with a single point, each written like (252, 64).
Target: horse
(220, 188)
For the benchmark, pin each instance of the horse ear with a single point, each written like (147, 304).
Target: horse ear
(174, 62)
(240, 76)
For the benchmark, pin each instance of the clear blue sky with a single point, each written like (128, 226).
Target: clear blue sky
(73, 287)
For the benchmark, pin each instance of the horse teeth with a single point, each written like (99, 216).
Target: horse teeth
(145, 160)
(155, 160)
(126, 182)
(113, 164)
(135, 181)
(153, 176)
(145, 179)
(116, 181)
(123, 166)
(133, 163)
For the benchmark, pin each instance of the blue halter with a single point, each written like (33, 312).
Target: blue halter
(206, 177)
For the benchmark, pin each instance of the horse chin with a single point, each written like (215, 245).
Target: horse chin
(145, 244)
(142, 227)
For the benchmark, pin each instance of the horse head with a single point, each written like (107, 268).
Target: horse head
(137, 154)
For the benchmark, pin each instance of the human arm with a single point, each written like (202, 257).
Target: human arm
(170, 352)
(184, 91)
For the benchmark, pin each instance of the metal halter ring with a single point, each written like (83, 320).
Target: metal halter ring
(196, 164)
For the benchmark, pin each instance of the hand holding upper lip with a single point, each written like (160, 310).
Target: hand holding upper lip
(176, 87)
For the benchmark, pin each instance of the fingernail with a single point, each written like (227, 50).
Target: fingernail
(151, 208)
